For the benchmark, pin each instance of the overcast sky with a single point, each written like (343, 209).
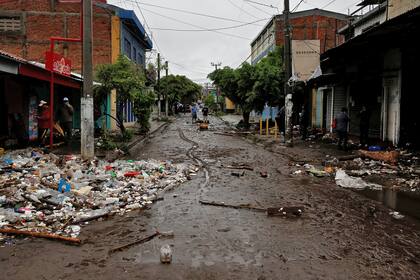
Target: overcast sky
(191, 53)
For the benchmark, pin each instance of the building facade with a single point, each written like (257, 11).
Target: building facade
(128, 38)
(27, 25)
(315, 24)
(375, 68)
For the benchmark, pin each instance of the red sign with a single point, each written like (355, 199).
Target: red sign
(57, 63)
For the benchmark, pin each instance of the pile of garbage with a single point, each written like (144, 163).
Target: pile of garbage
(400, 171)
(55, 194)
(391, 169)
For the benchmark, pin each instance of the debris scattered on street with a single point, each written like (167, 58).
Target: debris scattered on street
(285, 211)
(264, 174)
(45, 193)
(204, 126)
(166, 254)
(389, 157)
(396, 215)
(166, 234)
(346, 181)
(241, 206)
(233, 133)
(137, 242)
(317, 173)
(40, 235)
(239, 166)
(297, 172)
(295, 211)
(238, 174)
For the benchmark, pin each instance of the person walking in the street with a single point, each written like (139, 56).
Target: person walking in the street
(43, 120)
(194, 113)
(65, 116)
(342, 122)
(205, 113)
(364, 127)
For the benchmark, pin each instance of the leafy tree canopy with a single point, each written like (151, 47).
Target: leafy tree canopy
(179, 89)
(251, 86)
(128, 79)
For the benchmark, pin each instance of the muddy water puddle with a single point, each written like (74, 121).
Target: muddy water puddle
(404, 202)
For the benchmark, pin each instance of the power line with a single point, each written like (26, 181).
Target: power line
(241, 9)
(186, 11)
(297, 6)
(329, 3)
(147, 25)
(196, 26)
(209, 29)
(261, 4)
(188, 68)
(307, 44)
(255, 7)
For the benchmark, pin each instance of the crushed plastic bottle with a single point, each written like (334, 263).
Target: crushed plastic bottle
(166, 254)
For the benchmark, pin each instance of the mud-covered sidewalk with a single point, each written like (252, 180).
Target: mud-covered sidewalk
(340, 235)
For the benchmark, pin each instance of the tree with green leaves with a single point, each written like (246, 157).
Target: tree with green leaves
(237, 85)
(251, 86)
(269, 80)
(179, 89)
(128, 80)
(151, 75)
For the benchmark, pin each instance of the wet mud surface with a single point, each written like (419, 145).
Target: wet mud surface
(341, 234)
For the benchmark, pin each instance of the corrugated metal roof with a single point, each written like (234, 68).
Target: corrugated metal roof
(12, 57)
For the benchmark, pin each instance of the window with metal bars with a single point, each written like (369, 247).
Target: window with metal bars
(10, 24)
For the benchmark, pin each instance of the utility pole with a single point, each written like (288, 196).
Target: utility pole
(86, 104)
(166, 95)
(216, 65)
(158, 82)
(288, 103)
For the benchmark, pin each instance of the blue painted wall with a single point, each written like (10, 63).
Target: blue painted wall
(131, 45)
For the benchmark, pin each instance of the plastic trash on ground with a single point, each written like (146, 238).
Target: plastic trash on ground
(49, 193)
(349, 182)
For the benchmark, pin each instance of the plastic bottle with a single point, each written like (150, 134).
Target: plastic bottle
(165, 254)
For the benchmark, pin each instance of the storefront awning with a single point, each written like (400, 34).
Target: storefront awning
(12, 64)
(32, 71)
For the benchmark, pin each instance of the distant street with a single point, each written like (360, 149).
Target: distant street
(336, 237)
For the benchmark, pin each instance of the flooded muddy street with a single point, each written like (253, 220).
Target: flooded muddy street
(340, 235)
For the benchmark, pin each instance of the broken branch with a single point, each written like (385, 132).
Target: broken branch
(242, 166)
(45, 235)
(242, 206)
(143, 240)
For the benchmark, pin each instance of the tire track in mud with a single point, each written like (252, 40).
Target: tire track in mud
(190, 154)
(225, 243)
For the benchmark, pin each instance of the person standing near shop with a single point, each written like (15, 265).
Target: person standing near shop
(65, 116)
(342, 123)
(43, 120)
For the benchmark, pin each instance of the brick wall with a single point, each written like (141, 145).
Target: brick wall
(313, 28)
(42, 19)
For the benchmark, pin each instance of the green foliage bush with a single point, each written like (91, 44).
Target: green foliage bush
(129, 81)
